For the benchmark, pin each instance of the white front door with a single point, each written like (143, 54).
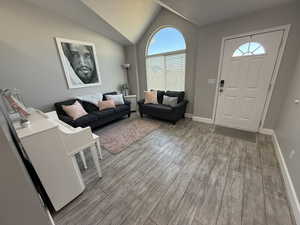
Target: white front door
(247, 68)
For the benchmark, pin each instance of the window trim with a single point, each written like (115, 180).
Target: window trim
(167, 53)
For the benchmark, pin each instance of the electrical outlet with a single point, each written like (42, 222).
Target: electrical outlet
(292, 153)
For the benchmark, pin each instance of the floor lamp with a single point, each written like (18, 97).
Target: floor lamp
(126, 66)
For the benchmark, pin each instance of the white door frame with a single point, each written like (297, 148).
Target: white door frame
(285, 29)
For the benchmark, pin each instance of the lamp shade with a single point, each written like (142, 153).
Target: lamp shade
(126, 66)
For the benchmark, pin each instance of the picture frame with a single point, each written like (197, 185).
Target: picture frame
(80, 63)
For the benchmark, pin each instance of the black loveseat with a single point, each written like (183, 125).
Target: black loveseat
(95, 118)
(165, 112)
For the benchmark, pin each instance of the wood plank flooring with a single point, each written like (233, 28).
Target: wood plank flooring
(184, 174)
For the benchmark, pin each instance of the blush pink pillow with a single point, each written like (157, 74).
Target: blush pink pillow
(150, 97)
(106, 104)
(75, 111)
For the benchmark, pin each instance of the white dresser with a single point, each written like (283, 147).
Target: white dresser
(51, 148)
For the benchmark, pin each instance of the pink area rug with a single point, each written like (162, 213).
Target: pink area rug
(118, 137)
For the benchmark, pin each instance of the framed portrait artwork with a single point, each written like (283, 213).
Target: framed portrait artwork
(79, 62)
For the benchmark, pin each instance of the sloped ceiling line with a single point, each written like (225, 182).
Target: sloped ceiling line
(129, 17)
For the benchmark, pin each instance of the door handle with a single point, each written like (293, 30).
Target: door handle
(221, 86)
(222, 83)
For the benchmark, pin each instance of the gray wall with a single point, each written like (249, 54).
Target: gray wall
(203, 52)
(29, 58)
(288, 127)
(189, 31)
(133, 78)
(209, 45)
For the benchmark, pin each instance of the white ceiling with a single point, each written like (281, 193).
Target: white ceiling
(202, 12)
(129, 17)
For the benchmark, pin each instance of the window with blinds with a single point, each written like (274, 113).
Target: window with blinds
(166, 72)
(165, 60)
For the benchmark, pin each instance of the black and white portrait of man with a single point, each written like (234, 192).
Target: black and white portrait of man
(80, 63)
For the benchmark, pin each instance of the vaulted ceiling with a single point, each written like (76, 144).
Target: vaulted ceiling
(79, 13)
(125, 21)
(202, 12)
(129, 17)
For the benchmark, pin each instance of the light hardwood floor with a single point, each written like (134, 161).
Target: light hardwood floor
(184, 174)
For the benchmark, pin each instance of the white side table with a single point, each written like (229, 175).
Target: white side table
(133, 100)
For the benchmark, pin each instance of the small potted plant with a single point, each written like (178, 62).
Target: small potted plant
(124, 89)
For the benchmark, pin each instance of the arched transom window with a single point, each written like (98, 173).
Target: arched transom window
(248, 49)
(165, 60)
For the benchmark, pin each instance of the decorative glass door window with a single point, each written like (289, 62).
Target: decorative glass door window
(248, 49)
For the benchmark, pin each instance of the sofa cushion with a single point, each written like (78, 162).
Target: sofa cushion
(179, 94)
(157, 107)
(109, 93)
(122, 108)
(74, 111)
(106, 104)
(171, 101)
(89, 107)
(94, 98)
(104, 113)
(118, 99)
(150, 97)
(59, 109)
(160, 96)
(85, 121)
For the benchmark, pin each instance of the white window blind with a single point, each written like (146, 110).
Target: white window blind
(166, 72)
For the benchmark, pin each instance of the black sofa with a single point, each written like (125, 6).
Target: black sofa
(165, 112)
(95, 118)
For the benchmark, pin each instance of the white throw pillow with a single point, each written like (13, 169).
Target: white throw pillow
(118, 99)
(171, 101)
(94, 99)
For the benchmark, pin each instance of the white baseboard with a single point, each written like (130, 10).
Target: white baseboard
(266, 131)
(188, 115)
(202, 119)
(292, 195)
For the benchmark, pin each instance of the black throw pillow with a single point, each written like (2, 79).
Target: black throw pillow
(112, 93)
(59, 109)
(109, 93)
(89, 107)
(160, 96)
